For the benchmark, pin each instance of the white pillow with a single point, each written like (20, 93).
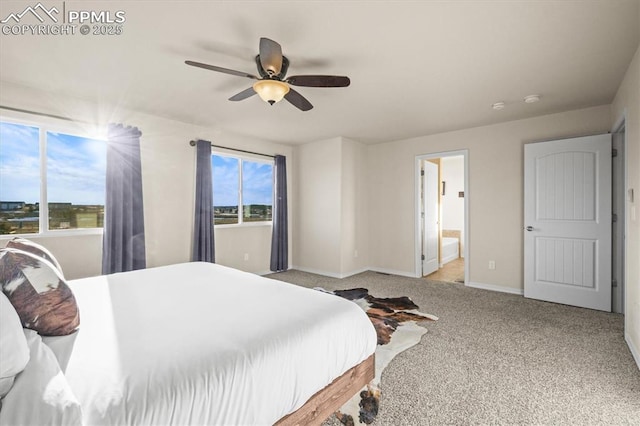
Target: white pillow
(41, 394)
(14, 351)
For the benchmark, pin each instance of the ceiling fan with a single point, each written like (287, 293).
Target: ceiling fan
(272, 85)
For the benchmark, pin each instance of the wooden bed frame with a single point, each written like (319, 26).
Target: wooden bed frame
(329, 399)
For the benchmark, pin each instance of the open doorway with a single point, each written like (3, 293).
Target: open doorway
(442, 216)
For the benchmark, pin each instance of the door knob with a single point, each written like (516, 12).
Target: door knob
(529, 228)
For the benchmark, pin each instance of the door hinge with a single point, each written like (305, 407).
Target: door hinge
(614, 218)
(423, 257)
(614, 152)
(422, 172)
(614, 283)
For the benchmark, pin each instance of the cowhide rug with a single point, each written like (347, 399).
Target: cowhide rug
(395, 320)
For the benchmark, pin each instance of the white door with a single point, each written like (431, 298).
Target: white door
(430, 198)
(567, 219)
(618, 225)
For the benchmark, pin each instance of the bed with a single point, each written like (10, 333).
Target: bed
(199, 343)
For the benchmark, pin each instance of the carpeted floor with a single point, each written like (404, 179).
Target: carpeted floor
(500, 359)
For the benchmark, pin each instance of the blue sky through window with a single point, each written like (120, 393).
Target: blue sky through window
(19, 163)
(225, 180)
(76, 166)
(76, 169)
(257, 181)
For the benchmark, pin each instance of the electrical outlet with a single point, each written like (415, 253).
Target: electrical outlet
(492, 264)
(246, 256)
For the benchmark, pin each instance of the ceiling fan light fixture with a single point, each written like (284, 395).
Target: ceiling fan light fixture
(271, 91)
(272, 86)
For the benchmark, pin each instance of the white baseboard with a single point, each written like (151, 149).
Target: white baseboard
(356, 272)
(494, 287)
(448, 259)
(316, 271)
(351, 273)
(393, 272)
(329, 274)
(634, 351)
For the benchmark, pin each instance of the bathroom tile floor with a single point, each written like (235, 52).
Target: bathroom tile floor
(451, 272)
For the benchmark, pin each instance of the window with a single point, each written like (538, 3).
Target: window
(51, 181)
(242, 190)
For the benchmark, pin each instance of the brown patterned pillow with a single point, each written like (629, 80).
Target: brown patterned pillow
(38, 292)
(35, 248)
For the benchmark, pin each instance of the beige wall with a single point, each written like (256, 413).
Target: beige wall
(354, 222)
(627, 104)
(232, 244)
(495, 192)
(168, 173)
(80, 256)
(330, 215)
(317, 241)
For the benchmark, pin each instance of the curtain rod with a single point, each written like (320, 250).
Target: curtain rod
(59, 117)
(193, 143)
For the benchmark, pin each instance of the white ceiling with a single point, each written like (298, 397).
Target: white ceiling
(416, 67)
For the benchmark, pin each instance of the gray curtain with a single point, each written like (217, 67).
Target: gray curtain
(280, 236)
(203, 244)
(123, 240)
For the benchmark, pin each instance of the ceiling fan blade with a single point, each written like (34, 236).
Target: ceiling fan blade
(270, 56)
(243, 95)
(297, 100)
(319, 80)
(220, 69)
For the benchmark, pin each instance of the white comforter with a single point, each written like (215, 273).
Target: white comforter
(200, 343)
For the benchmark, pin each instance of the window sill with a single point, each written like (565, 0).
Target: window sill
(243, 225)
(55, 234)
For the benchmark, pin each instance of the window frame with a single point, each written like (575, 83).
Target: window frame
(52, 125)
(242, 158)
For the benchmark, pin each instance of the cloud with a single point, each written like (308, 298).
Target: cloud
(19, 163)
(257, 181)
(17, 132)
(76, 169)
(225, 180)
(76, 166)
